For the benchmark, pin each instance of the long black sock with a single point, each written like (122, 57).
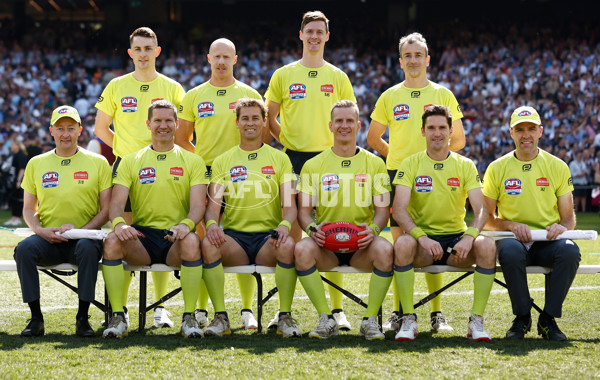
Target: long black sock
(84, 307)
(36, 311)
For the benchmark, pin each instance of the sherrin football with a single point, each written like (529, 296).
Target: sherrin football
(341, 237)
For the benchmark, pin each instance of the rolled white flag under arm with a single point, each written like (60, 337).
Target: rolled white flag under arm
(541, 235)
(75, 233)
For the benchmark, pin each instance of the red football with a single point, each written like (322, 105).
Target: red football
(341, 236)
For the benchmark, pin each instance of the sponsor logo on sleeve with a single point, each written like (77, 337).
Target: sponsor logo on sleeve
(512, 186)
(454, 182)
(80, 175)
(146, 176)
(267, 170)
(238, 174)
(49, 180)
(206, 109)
(423, 184)
(542, 182)
(297, 91)
(330, 182)
(177, 171)
(327, 88)
(401, 112)
(129, 104)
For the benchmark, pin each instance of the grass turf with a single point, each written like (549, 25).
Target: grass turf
(164, 353)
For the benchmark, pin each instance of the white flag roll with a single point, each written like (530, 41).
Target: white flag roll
(540, 235)
(76, 233)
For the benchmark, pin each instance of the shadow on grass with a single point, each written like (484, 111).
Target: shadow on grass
(258, 344)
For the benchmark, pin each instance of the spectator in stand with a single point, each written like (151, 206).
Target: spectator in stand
(579, 172)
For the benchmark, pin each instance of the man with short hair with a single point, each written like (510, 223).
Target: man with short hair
(167, 187)
(302, 93)
(532, 189)
(68, 187)
(124, 103)
(401, 107)
(358, 194)
(209, 110)
(255, 181)
(431, 190)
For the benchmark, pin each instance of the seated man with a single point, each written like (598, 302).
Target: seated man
(68, 187)
(254, 180)
(359, 196)
(431, 190)
(167, 188)
(532, 190)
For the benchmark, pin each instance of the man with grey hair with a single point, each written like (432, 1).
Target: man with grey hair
(401, 107)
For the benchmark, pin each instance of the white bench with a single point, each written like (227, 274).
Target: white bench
(258, 270)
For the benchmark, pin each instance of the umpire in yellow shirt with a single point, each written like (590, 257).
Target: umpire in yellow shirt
(68, 187)
(532, 189)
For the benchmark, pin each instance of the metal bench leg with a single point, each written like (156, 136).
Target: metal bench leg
(73, 288)
(259, 303)
(142, 307)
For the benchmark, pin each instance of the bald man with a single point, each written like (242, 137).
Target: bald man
(209, 110)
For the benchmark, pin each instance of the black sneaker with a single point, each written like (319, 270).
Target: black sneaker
(35, 327)
(83, 328)
(548, 329)
(521, 325)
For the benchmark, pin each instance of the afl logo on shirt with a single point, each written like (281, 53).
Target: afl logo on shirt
(49, 179)
(423, 184)
(297, 91)
(238, 174)
(330, 182)
(401, 112)
(129, 104)
(147, 176)
(206, 109)
(512, 186)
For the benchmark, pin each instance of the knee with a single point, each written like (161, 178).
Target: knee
(88, 249)
(24, 250)
(570, 253)
(190, 247)
(285, 253)
(384, 251)
(112, 247)
(210, 253)
(485, 248)
(405, 246)
(304, 253)
(511, 252)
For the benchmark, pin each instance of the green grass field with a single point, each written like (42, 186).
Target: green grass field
(165, 354)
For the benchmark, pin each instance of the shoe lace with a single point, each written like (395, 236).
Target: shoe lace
(405, 322)
(394, 318)
(114, 322)
(190, 322)
(552, 326)
(518, 325)
(477, 323)
(288, 321)
(371, 325)
(439, 319)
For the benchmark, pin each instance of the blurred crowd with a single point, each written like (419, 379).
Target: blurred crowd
(492, 69)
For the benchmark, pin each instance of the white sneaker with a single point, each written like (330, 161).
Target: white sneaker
(476, 331)
(218, 326)
(248, 321)
(392, 323)
(369, 328)
(342, 322)
(161, 318)
(274, 322)
(117, 328)
(190, 328)
(439, 323)
(326, 328)
(408, 328)
(287, 327)
(201, 317)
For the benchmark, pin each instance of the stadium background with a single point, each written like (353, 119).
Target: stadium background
(494, 56)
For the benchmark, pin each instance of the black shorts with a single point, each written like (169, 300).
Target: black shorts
(251, 242)
(114, 174)
(209, 174)
(445, 241)
(392, 174)
(155, 243)
(298, 159)
(579, 192)
(344, 257)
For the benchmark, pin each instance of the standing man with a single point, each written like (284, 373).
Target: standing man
(209, 110)
(401, 108)
(302, 93)
(255, 181)
(68, 187)
(532, 190)
(124, 103)
(167, 185)
(431, 190)
(345, 184)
